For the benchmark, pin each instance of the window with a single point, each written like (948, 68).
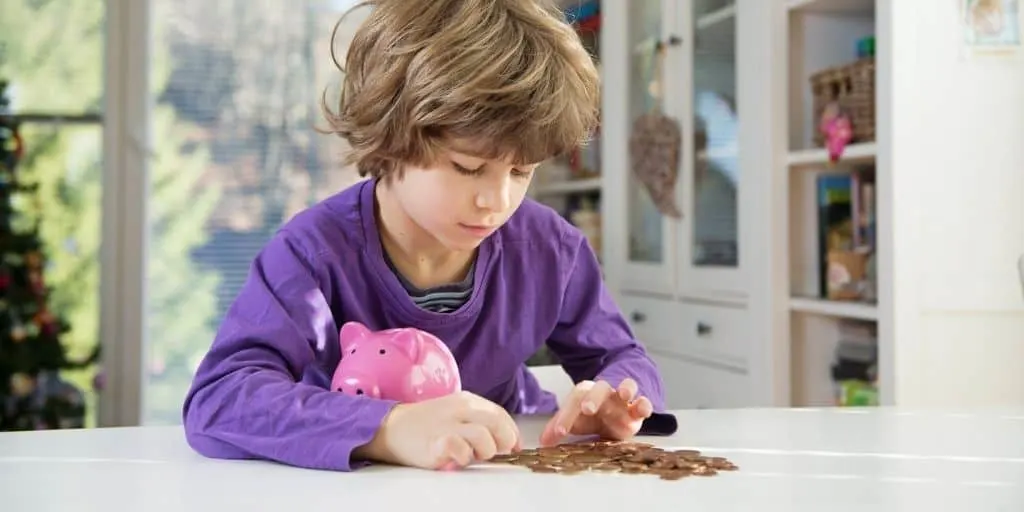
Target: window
(51, 53)
(237, 87)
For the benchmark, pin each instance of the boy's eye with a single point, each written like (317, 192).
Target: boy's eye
(520, 173)
(468, 172)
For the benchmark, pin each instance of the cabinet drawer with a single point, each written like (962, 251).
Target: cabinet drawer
(692, 385)
(655, 322)
(715, 333)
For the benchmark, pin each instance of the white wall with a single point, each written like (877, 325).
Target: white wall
(956, 156)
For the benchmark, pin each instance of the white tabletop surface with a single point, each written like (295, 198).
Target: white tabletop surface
(790, 460)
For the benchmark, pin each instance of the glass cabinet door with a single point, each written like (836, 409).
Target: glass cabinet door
(650, 254)
(710, 237)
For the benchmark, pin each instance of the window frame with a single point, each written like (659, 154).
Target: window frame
(126, 148)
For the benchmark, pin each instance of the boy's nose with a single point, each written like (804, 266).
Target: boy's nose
(496, 197)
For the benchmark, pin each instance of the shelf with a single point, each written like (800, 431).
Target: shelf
(854, 154)
(570, 187)
(713, 18)
(847, 7)
(855, 310)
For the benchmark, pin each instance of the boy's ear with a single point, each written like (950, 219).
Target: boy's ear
(351, 334)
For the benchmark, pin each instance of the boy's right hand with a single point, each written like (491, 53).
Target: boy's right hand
(444, 433)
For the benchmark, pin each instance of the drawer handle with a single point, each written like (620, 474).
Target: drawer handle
(638, 317)
(703, 329)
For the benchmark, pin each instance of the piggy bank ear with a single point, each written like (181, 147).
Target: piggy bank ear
(409, 342)
(351, 334)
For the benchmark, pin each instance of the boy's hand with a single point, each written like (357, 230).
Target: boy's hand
(595, 408)
(443, 433)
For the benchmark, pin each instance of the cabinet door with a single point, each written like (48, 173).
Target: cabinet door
(706, 85)
(646, 261)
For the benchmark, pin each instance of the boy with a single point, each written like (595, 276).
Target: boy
(448, 106)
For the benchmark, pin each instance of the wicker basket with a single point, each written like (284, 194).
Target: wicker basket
(853, 86)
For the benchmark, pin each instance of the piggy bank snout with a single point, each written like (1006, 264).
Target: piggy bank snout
(359, 386)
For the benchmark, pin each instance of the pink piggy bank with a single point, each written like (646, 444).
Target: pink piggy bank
(406, 365)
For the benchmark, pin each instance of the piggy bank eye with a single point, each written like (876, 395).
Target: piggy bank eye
(359, 391)
(382, 351)
(339, 390)
(353, 351)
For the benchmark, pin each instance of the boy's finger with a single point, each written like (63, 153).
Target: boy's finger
(453, 450)
(642, 408)
(556, 428)
(547, 436)
(628, 389)
(501, 425)
(621, 428)
(595, 398)
(561, 423)
(480, 439)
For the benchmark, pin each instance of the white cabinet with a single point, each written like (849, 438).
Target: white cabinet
(643, 254)
(683, 282)
(718, 335)
(716, 160)
(691, 385)
(703, 254)
(733, 298)
(701, 351)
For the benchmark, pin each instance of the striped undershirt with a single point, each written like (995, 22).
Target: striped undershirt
(439, 299)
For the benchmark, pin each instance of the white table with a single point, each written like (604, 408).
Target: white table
(792, 460)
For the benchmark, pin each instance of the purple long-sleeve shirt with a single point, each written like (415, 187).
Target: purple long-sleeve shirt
(261, 392)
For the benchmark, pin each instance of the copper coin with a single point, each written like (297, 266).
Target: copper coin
(621, 456)
(675, 474)
(687, 453)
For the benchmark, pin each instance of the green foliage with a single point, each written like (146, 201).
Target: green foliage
(52, 50)
(31, 352)
(181, 297)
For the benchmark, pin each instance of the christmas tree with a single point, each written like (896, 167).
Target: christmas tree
(32, 394)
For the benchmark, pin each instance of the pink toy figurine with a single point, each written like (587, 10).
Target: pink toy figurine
(406, 365)
(836, 127)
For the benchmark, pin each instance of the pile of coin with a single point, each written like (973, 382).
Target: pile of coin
(617, 456)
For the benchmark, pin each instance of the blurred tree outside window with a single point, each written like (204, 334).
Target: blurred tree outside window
(236, 86)
(51, 52)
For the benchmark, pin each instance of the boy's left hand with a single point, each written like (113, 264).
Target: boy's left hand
(595, 408)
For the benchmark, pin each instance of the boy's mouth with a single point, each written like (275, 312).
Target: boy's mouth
(477, 229)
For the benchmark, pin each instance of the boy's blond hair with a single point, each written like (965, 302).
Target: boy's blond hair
(511, 75)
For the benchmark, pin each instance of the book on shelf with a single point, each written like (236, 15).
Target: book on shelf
(855, 367)
(584, 16)
(846, 235)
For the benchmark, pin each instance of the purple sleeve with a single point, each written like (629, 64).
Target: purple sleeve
(592, 339)
(247, 401)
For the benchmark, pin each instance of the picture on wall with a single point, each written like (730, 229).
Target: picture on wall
(992, 23)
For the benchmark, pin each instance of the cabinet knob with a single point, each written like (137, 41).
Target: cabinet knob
(638, 317)
(703, 329)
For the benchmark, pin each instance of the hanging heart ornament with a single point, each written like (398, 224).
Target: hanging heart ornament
(654, 148)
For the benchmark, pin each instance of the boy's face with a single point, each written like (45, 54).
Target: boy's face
(462, 199)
